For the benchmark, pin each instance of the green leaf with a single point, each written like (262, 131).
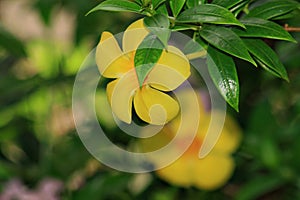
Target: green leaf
(288, 15)
(192, 46)
(267, 57)
(227, 3)
(176, 6)
(117, 6)
(202, 42)
(259, 186)
(222, 70)
(270, 154)
(139, 2)
(194, 50)
(162, 9)
(181, 27)
(208, 13)
(193, 3)
(11, 44)
(273, 9)
(146, 56)
(146, 2)
(159, 26)
(157, 3)
(256, 27)
(238, 8)
(226, 40)
(157, 21)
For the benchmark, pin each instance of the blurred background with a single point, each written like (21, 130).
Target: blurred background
(42, 45)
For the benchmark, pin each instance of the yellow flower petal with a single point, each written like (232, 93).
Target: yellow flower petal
(209, 173)
(212, 172)
(178, 173)
(191, 108)
(230, 137)
(120, 93)
(172, 70)
(134, 35)
(155, 107)
(109, 57)
(155, 142)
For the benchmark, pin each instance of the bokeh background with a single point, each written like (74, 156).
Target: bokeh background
(42, 45)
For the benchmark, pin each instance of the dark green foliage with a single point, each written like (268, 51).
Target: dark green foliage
(267, 164)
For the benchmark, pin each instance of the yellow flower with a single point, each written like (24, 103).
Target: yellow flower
(208, 173)
(150, 102)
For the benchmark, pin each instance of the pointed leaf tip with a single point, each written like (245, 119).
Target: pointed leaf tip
(146, 56)
(223, 72)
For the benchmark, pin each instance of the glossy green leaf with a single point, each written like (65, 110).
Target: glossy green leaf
(146, 56)
(267, 58)
(226, 40)
(288, 15)
(202, 42)
(238, 8)
(272, 9)
(193, 3)
(256, 27)
(193, 49)
(227, 3)
(162, 9)
(157, 3)
(222, 70)
(157, 21)
(117, 6)
(208, 13)
(176, 6)
(159, 26)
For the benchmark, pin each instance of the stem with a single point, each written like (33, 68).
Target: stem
(195, 28)
(246, 9)
(172, 20)
(195, 35)
(291, 29)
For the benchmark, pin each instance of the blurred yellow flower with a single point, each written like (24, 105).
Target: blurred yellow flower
(150, 102)
(208, 173)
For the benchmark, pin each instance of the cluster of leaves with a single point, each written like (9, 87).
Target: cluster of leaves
(227, 29)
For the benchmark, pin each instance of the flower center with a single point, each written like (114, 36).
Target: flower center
(193, 149)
